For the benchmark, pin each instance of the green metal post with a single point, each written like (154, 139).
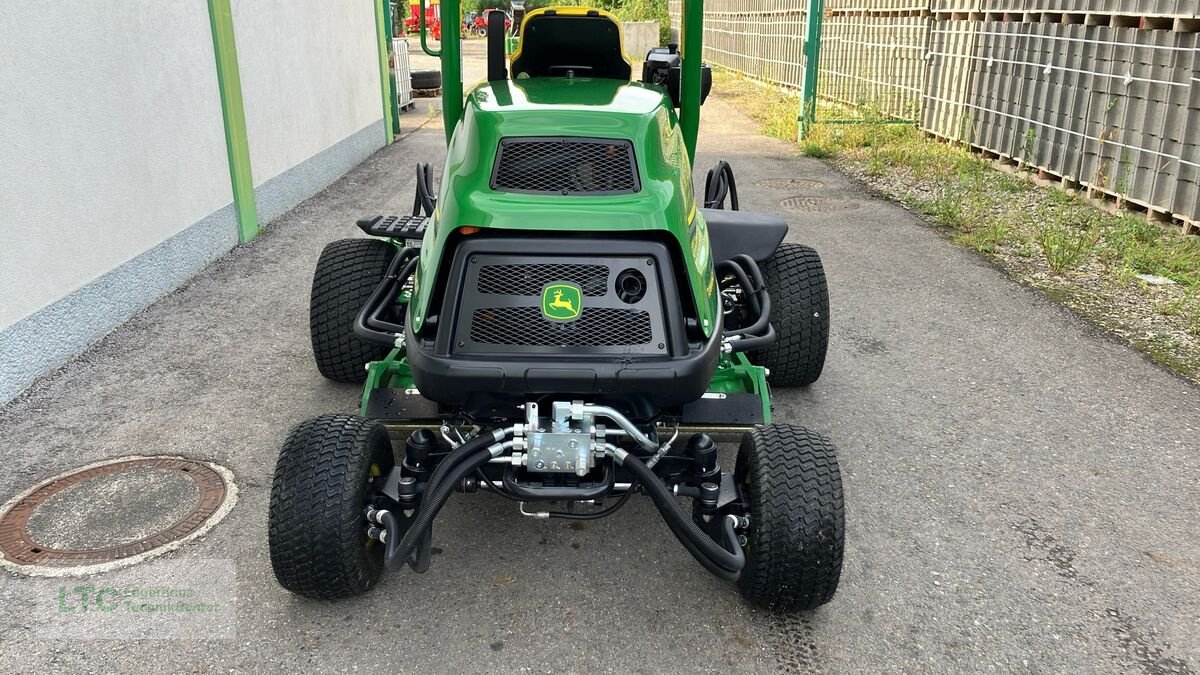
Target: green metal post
(389, 98)
(237, 143)
(388, 18)
(812, 63)
(452, 84)
(692, 55)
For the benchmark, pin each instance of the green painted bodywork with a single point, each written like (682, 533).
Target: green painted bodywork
(584, 107)
(735, 375)
(581, 107)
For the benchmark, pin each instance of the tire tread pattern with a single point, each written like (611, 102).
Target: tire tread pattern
(800, 314)
(316, 529)
(347, 273)
(797, 520)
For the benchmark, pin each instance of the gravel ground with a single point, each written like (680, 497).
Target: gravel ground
(1020, 487)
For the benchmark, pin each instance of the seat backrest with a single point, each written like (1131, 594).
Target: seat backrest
(571, 42)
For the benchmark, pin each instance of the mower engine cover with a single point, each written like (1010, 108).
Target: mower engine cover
(575, 261)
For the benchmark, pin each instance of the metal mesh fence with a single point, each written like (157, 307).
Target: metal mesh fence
(1103, 93)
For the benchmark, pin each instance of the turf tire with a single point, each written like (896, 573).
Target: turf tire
(347, 273)
(317, 526)
(797, 519)
(800, 314)
(426, 79)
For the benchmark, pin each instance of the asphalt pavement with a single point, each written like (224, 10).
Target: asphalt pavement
(1021, 490)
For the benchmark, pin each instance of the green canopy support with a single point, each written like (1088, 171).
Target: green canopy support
(692, 55)
(450, 54)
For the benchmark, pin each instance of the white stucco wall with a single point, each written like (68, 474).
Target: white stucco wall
(111, 139)
(310, 77)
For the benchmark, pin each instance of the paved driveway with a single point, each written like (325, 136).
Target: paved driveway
(1021, 490)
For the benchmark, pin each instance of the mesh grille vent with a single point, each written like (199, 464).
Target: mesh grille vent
(530, 279)
(565, 166)
(526, 327)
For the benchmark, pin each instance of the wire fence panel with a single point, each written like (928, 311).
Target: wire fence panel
(1102, 93)
(873, 62)
(762, 39)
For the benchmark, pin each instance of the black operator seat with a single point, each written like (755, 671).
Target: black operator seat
(571, 42)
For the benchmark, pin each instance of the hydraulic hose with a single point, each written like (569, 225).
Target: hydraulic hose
(756, 342)
(460, 463)
(400, 549)
(718, 185)
(724, 561)
(457, 454)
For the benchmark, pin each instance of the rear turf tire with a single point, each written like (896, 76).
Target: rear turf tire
(800, 314)
(797, 519)
(347, 273)
(317, 526)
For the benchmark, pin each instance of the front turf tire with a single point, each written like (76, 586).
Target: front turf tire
(797, 518)
(800, 314)
(317, 525)
(348, 271)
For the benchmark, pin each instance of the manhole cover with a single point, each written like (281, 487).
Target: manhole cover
(113, 513)
(818, 204)
(790, 184)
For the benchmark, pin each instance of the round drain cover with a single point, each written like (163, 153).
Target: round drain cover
(818, 204)
(125, 509)
(790, 184)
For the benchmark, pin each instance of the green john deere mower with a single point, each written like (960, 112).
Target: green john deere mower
(562, 324)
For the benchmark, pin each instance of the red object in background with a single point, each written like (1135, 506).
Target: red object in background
(433, 20)
(480, 23)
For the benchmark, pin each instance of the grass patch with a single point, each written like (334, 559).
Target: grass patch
(1037, 233)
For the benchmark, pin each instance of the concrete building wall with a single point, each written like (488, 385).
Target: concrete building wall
(310, 82)
(112, 145)
(639, 37)
(108, 149)
(115, 183)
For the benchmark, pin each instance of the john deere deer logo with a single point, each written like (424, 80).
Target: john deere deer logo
(562, 302)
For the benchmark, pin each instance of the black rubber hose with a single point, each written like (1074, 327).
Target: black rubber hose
(739, 274)
(425, 200)
(458, 455)
(418, 203)
(399, 550)
(757, 342)
(721, 561)
(757, 296)
(733, 196)
(715, 188)
(751, 264)
(718, 185)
